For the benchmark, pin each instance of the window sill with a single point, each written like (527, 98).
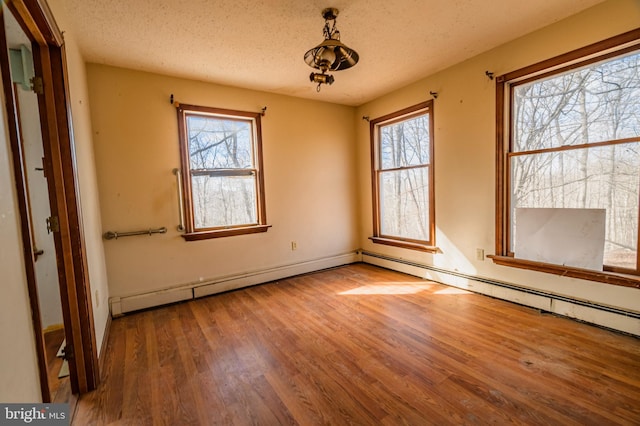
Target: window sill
(405, 244)
(568, 271)
(220, 233)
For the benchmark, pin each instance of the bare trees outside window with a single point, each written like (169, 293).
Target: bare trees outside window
(574, 142)
(402, 146)
(221, 156)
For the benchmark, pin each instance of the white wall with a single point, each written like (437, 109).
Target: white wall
(18, 360)
(465, 153)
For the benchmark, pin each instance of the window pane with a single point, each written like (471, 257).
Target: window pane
(219, 143)
(405, 143)
(597, 103)
(404, 203)
(606, 177)
(220, 201)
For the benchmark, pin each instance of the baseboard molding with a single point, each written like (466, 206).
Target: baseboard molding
(601, 315)
(53, 327)
(122, 305)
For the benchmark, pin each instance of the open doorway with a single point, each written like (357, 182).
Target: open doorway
(38, 208)
(40, 136)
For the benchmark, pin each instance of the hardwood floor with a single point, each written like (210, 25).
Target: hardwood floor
(361, 345)
(59, 388)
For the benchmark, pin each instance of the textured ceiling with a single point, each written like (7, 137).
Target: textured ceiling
(260, 44)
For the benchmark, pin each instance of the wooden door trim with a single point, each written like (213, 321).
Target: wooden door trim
(37, 21)
(23, 209)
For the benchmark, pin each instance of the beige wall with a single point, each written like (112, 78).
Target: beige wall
(309, 155)
(465, 152)
(18, 361)
(315, 195)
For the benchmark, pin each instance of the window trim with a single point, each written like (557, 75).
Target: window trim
(191, 233)
(374, 126)
(605, 49)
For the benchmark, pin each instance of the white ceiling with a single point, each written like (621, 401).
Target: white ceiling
(260, 44)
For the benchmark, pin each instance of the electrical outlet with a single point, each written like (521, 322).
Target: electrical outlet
(294, 245)
(479, 254)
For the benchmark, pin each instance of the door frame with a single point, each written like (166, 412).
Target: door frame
(36, 20)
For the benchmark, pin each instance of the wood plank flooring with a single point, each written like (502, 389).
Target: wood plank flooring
(59, 389)
(361, 345)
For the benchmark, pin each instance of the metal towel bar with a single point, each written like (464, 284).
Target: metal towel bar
(110, 235)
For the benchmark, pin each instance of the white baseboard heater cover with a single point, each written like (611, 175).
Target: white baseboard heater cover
(605, 316)
(125, 304)
(601, 315)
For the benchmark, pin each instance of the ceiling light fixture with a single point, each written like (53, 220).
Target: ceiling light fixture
(331, 54)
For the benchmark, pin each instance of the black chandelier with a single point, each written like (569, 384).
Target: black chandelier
(331, 54)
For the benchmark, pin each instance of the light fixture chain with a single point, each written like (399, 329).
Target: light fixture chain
(330, 30)
(327, 31)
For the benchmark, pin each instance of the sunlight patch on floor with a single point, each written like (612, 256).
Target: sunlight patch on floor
(452, 290)
(388, 288)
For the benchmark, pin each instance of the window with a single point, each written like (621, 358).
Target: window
(223, 184)
(402, 160)
(569, 137)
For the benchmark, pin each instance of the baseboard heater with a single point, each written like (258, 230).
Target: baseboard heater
(601, 315)
(125, 304)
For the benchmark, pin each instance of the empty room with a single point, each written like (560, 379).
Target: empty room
(297, 212)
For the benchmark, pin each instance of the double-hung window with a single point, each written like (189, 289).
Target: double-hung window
(402, 176)
(221, 155)
(569, 138)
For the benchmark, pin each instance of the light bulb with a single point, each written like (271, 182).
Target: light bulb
(325, 56)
